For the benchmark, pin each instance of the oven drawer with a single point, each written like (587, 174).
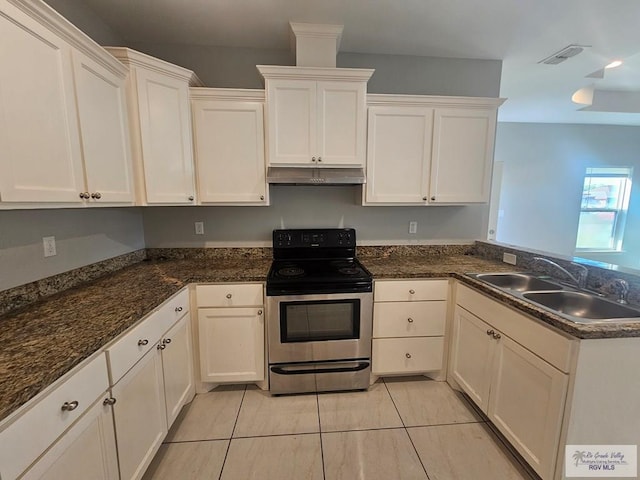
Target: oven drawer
(406, 355)
(410, 290)
(230, 295)
(409, 319)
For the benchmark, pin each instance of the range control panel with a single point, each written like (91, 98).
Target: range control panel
(315, 238)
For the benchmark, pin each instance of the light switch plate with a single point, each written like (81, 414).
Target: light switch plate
(413, 227)
(49, 245)
(199, 228)
(509, 258)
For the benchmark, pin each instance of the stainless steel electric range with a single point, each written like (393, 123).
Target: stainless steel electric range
(319, 312)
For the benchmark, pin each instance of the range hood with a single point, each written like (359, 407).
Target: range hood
(315, 176)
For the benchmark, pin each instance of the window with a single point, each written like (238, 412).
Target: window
(605, 199)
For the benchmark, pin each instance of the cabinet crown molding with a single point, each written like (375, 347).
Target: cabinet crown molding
(133, 58)
(227, 94)
(315, 73)
(432, 100)
(52, 20)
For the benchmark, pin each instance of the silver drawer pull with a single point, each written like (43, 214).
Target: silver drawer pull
(109, 401)
(178, 309)
(410, 320)
(142, 343)
(408, 355)
(412, 291)
(161, 347)
(496, 336)
(490, 332)
(166, 341)
(69, 406)
(229, 295)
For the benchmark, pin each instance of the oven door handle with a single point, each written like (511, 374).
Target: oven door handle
(301, 370)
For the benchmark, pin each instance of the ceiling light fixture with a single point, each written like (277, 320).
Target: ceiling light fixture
(614, 64)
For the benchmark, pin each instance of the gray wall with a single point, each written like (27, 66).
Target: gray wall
(83, 236)
(310, 206)
(544, 167)
(83, 17)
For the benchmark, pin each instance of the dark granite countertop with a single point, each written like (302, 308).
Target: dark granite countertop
(42, 342)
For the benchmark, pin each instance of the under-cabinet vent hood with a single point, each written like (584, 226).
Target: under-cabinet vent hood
(315, 176)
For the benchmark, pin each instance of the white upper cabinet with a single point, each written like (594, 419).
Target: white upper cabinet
(316, 116)
(63, 129)
(426, 150)
(159, 115)
(462, 158)
(104, 131)
(41, 160)
(228, 133)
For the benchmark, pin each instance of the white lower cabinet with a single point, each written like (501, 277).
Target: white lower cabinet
(140, 415)
(86, 451)
(521, 393)
(409, 319)
(231, 336)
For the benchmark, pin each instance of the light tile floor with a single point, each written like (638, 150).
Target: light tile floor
(409, 428)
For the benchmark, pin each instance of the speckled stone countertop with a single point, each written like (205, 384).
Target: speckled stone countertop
(43, 341)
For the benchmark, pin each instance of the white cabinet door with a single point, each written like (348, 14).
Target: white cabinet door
(229, 151)
(292, 122)
(140, 415)
(341, 123)
(177, 366)
(104, 131)
(398, 154)
(471, 358)
(231, 344)
(41, 159)
(462, 155)
(86, 451)
(527, 404)
(165, 131)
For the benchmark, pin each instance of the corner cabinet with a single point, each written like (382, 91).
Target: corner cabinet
(228, 138)
(161, 135)
(316, 116)
(516, 371)
(425, 150)
(63, 126)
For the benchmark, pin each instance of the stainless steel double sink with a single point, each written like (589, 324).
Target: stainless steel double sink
(574, 305)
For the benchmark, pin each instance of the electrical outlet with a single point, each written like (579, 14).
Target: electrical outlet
(509, 258)
(413, 227)
(199, 228)
(49, 244)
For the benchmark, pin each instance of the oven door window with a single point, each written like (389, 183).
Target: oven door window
(319, 320)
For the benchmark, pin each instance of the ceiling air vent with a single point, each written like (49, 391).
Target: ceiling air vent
(564, 54)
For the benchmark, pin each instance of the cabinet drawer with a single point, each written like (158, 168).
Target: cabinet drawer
(176, 307)
(124, 354)
(409, 319)
(406, 355)
(401, 290)
(25, 439)
(230, 295)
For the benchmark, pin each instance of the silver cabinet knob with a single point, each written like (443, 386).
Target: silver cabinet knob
(412, 291)
(319, 159)
(496, 336)
(408, 355)
(69, 406)
(490, 332)
(424, 198)
(313, 159)
(166, 341)
(229, 295)
(84, 195)
(109, 401)
(433, 198)
(96, 195)
(142, 343)
(190, 198)
(259, 312)
(178, 309)
(161, 346)
(410, 320)
(261, 197)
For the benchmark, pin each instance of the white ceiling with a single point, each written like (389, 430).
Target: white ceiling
(519, 32)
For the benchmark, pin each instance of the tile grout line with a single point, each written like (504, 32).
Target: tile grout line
(244, 392)
(405, 428)
(324, 476)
